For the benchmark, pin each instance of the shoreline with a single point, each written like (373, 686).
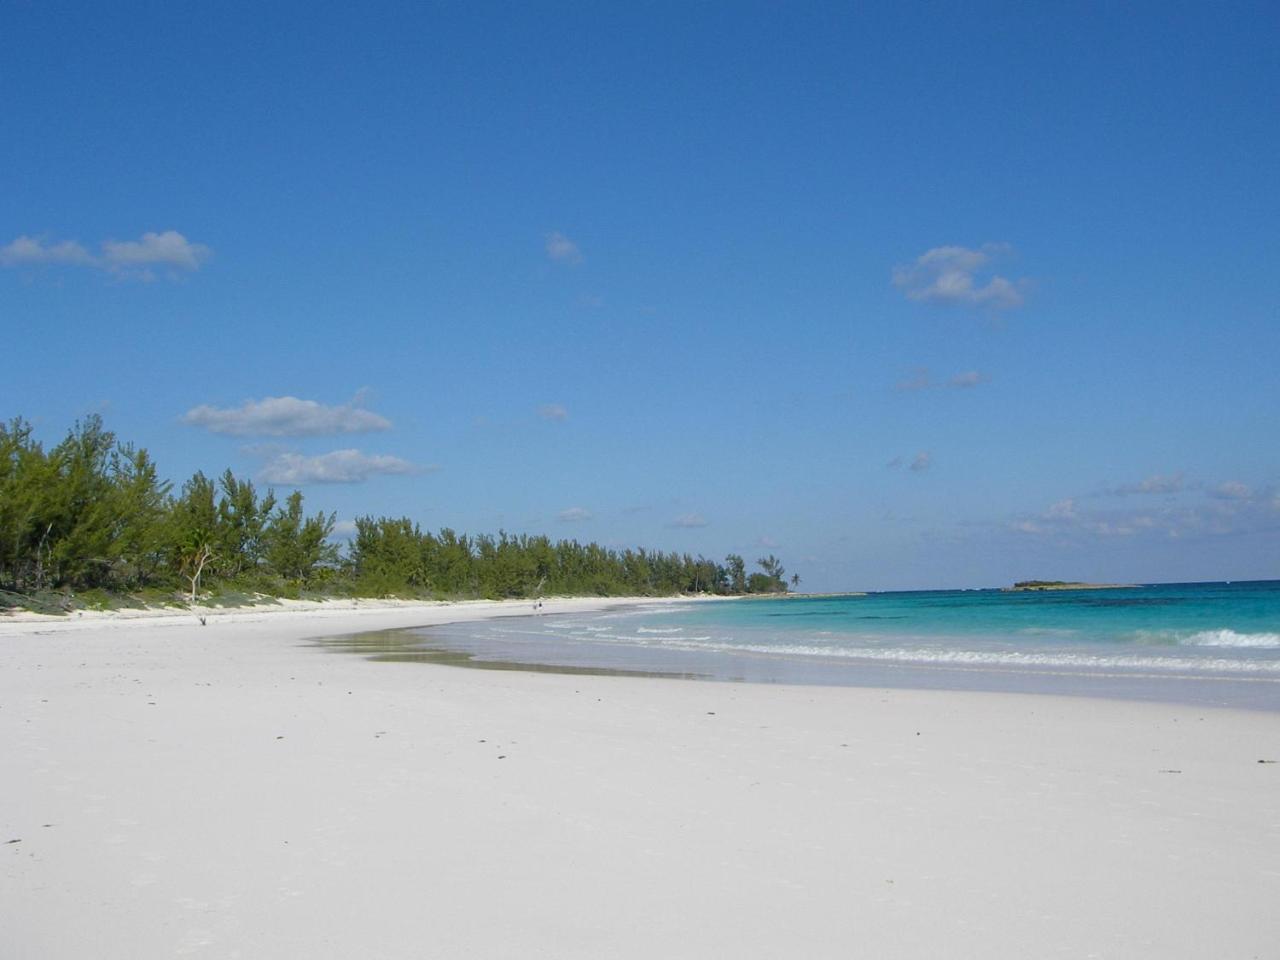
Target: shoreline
(231, 790)
(434, 644)
(346, 620)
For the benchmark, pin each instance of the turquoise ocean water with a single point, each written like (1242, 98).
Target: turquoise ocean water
(1201, 642)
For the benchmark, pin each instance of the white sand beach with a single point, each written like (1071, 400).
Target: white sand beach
(173, 790)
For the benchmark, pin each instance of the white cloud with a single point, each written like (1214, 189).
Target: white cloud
(33, 250)
(767, 542)
(285, 417)
(689, 521)
(1232, 490)
(343, 530)
(1154, 484)
(1231, 509)
(574, 515)
(1064, 519)
(561, 249)
(167, 249)
(950, 275)
(1062, 510)
(340, 466)
(970, 378)
(125, 258)
(553, 411)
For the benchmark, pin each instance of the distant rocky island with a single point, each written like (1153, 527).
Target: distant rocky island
(1027, 585)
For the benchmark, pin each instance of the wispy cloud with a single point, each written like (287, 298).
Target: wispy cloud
(1232, 490)
(1154, 484)
(574, 515)
(1064, 518)
(553, 411)
(1228, 509)
(956, 275)
(917, 464)
(561, 249)
(917, 379)
(1062, 510)
(132, 259)
(968, 379)
(688, 521)
(920, 378)
(285, 417)
(339, 466)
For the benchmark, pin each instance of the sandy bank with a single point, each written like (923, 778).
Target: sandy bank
(412, 612)
(230, 791)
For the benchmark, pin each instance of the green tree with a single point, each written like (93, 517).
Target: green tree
(76, 509)
(88, 513)
(93, 512)
(26, 476)
(194, 532)
(296, 545)
(772, 580)
(737, 570)
(242, 525)
(386, 556)
(139, 511)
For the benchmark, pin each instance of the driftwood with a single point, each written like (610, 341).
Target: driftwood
(198, 561)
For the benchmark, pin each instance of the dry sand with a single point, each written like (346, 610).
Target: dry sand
(228, 791)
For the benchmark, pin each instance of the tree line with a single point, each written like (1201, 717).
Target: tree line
(93, 514)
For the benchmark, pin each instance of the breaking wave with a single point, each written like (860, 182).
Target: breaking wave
(993, 658)
(1229, 638)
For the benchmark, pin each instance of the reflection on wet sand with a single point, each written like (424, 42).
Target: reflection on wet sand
(410, 646)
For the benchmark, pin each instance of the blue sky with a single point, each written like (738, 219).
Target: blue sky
(911, 295)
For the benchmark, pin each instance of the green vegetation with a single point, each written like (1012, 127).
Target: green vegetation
(90, 523)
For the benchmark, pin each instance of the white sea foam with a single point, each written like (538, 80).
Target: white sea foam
(1240, 653)
(596, 637)
(1229, 638)
(994, 658)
